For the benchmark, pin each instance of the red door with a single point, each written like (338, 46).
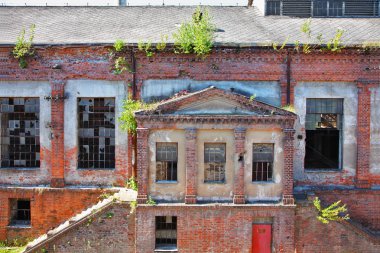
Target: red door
(261, 238)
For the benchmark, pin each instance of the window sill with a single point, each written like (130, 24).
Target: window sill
(263, 182)
(20, 168)
(214, 182)
(165, 250)
(166, 182)
(323, 170)
(96, 168)
(19, 226)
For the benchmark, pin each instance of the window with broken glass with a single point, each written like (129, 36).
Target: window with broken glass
(166, 161)
(215, 162)
(96, 118)
(20, 132)
(166, 232)
(262, 162)
(324, 128)
(20, 212)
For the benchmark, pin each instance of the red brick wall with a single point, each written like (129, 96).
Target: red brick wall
(215, 228)
(112, 230)
(49, 208)
(313, 236)
(363, 205)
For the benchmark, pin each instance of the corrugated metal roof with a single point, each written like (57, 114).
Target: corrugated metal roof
(237, 26)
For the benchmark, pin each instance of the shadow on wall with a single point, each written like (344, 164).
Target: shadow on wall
(265, 91)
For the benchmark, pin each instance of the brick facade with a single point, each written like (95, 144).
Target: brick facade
(225, 224)
(49, 208)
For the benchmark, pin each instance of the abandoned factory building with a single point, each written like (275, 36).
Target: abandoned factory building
(230, 148)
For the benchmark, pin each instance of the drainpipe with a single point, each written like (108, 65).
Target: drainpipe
(133, 62)
(288, 77)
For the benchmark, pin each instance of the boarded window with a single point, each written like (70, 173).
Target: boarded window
(96, 133)
(324, 125)
(262, 162)
(20, 212)
(20, 132)
(215, 162)
(166, 232)
(273, 7)
(166, 161)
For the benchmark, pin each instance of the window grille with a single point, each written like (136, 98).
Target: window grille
(273, 7)
(262, 162)
(166, 161)
(166, 232)
(96, 133)
(20, 212)
(20, 132)
(215, 161)
(324, 124)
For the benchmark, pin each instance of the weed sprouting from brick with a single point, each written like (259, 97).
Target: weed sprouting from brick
(334, 212)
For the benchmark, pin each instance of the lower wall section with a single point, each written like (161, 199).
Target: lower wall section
(110, 230)
(216, 228)
(48, 207)
(363, 204)
(313, 236)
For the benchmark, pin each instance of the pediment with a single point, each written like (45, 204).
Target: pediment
(214, 101)
(214, 106)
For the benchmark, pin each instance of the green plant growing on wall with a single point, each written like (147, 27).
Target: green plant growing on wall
(289, 108)
(162, 44)
(23, 48)
(252, 97)
(120, 63)
(197, 35)
(109, 215)
(127, 117)
(131, 183)
(133, 206)
(330, 213)
(151, 201)
(146, 47)
(334, 44)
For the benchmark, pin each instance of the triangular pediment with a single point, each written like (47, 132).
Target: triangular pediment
(214, 101)
(214, 106)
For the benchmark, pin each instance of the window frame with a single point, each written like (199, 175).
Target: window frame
(267, 7)
(206, 163)
(157, 230)
(36, 137)
(172, 167)
(272, 163)
(340, 127)
(14, 208)
(93, 137)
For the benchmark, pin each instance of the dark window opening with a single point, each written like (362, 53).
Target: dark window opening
(262, 162)
(323, 133)
(273, 8)
(215, 162)
(96, 121)
(20, 132)
(20, 212)
(166, 232)
(166, 161)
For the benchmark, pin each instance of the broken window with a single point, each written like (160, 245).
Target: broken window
(166, 161)
(324, 119)
(20, 212)
(20, 132)
(262, 162)
(96, 133)
(215, 161)
(166, 232)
